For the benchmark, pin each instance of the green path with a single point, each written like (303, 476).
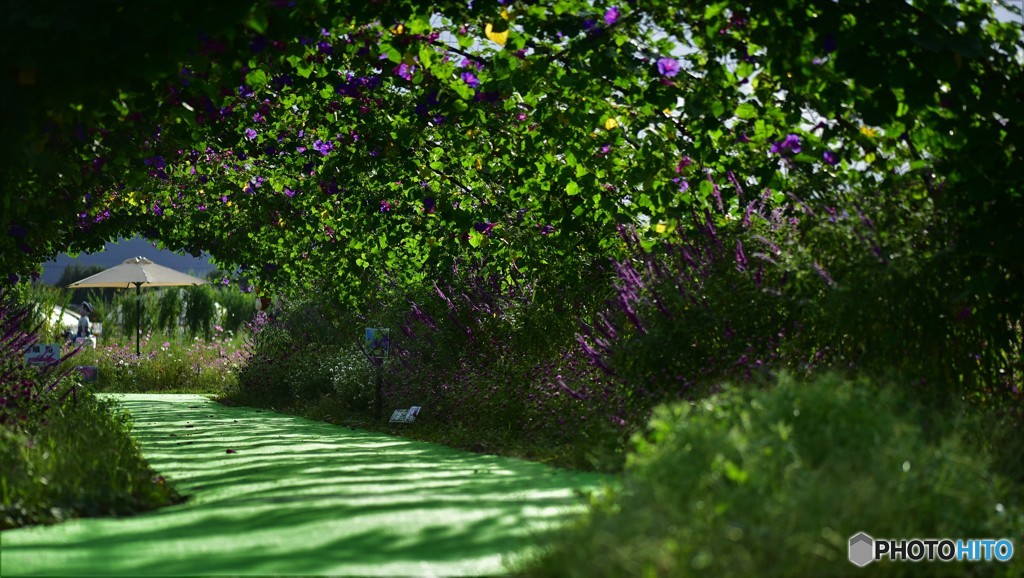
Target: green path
(304, 497)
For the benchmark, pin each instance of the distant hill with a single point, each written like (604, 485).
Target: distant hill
(116, 253)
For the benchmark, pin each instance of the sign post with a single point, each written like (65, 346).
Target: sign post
(377, 345)
(43, 355)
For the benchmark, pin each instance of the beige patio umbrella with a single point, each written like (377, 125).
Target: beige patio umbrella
(138, 272)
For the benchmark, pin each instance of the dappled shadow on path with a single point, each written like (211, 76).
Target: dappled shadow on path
(303, 497)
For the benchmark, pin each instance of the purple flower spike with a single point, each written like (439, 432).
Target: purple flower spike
(668, 67)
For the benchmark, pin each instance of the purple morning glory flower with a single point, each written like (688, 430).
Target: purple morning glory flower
(668, 67)
(289, 193)
(405, 71)
(17, 231)
(13, 278)
(250, 134)
(611, 16)
(158, 210)
(790, 144)
(322, 147)
(470, 79)
(385, 206)
(830, 157)
(829, 43)
(484, 228)
(428, 205)
(156, 162)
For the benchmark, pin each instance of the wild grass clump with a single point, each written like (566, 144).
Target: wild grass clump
(80, 461)
(773, 482)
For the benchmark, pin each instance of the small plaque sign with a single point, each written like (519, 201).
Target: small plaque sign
(405, 415)
(378, 342)
(40, 355)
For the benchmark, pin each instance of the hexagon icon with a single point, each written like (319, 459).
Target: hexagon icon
(862, 549)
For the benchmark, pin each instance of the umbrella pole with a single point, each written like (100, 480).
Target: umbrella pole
(138, 316)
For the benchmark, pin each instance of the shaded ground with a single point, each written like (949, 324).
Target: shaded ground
(304, 497)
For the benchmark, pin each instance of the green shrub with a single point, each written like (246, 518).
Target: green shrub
(238, 308)
(80, 461)
(773, 483)
(199, 311)
(169, 306)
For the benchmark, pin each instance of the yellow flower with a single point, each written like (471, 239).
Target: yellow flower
(499, 38)
(611, 123)
(868, 131)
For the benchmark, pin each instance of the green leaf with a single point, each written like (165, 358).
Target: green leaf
(572, 188)
(706, 189)
(256, 79)
(746, 111)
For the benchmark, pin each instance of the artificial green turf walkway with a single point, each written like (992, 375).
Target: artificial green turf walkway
(304, 497)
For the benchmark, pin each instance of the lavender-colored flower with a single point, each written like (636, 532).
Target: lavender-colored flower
(470, 79)
(323, 147)
(250, 134)
(611, 16)
(668, 67)
(288, 192)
